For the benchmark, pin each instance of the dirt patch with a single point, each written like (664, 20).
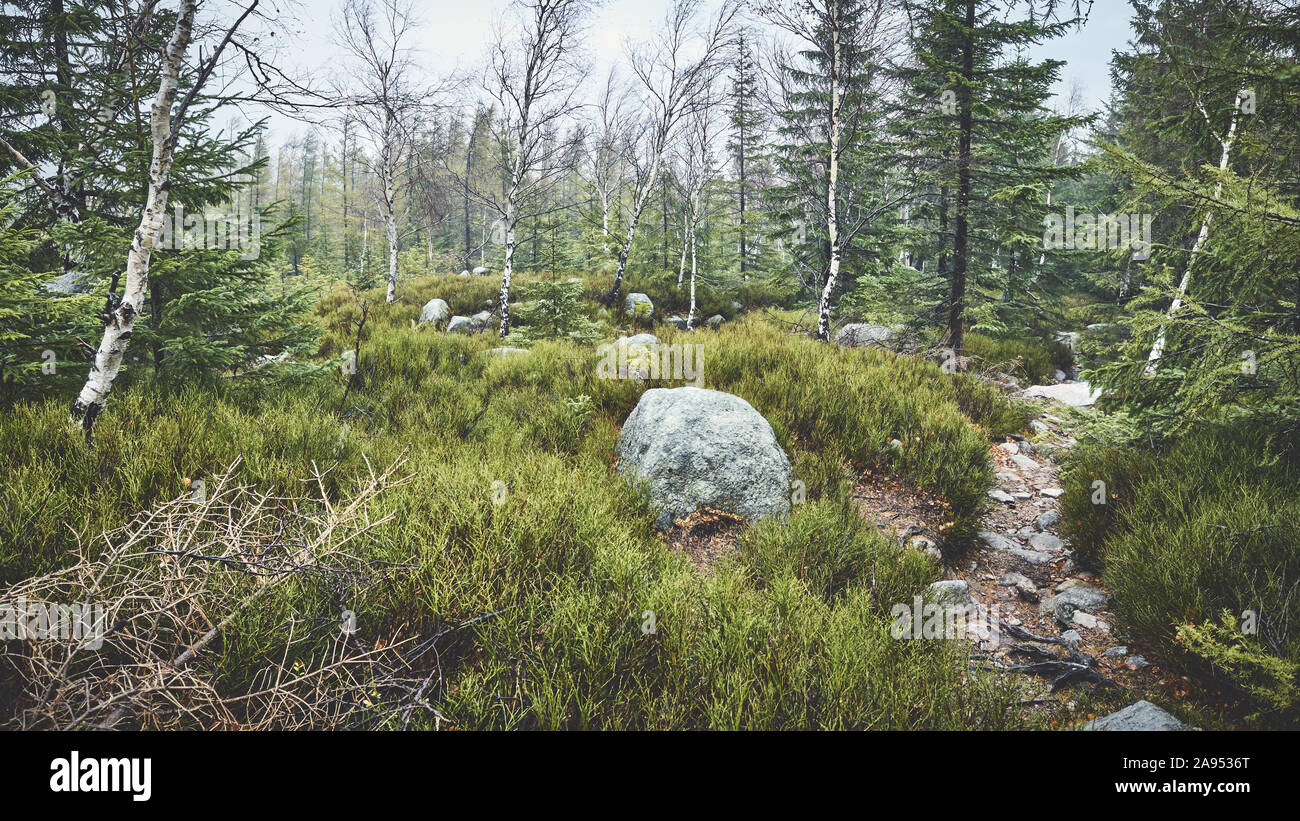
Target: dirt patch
(705, 536)
(901, 511)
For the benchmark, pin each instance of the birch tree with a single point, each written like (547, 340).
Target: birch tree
(164, 131)
(697, 169)
(840, 44)
(670, 80)
(1225, 154)
(385, 99)
(534, 76)
(604, 168)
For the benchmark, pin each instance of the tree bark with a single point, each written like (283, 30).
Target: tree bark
(832, 182)
(961, 228)
(1158, 348)
(120, 322)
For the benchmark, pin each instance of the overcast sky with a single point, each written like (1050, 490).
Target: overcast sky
(453, 35)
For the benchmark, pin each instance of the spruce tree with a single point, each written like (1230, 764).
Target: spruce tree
(974, 128)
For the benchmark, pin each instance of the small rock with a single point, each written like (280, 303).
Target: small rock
(1009, 447)
(1021, 583)
(996, 540)
(715, 321)
(926, 546)
(1038, 427)
(1060, 375)
(1052, 492)
(1024, 462)
(1045, 541)
(951, 591)
(1001, 496)
(1022, 495)
(460, 325)
(1115, 652)
(1080, 597)
(1031, 556)
(1141, 716)
(1047, 519)
(1137, 663)
(1072, 636)
(1085, 619)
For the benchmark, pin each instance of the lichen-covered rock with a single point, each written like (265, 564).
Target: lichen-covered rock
(863, 335)
(460, 325)
(639, 306)
(950, 592)
(703, 448)
(715, 321)
(436, 311)
(1140, 716)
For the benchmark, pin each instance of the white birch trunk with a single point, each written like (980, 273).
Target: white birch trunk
(1158, 349)
(832, 191)
(604, 221)
(390, 228)
(365, 248)
(506, 270)
(681, 266)
(638, 206)
(690, 316)
(121, 322)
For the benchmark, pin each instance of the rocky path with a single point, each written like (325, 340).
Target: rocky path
(1040, 614)
(1052, 617)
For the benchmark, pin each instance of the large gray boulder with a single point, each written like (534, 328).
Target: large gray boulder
(484, 319)
(701, 448)
(639, 306)
(436, 311)
(460, 325)
(865, 335)
(1141, 716)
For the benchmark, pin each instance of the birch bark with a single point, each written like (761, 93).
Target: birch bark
(120, 322)
(1158, 349)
